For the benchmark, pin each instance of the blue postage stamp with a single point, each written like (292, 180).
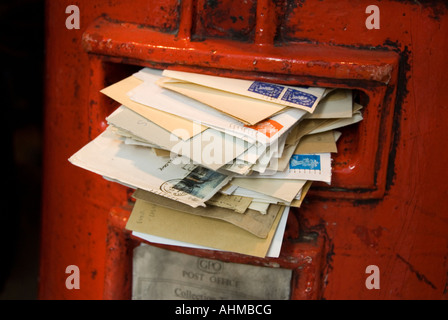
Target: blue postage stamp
(299, 97)
(305, 161)
(266, 89)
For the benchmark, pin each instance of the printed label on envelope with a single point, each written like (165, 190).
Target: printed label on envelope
(305, 161)
(160, 274)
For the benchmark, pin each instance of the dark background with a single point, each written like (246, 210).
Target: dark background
(22, 73)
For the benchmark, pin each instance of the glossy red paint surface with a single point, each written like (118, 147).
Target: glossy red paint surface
(388, 203)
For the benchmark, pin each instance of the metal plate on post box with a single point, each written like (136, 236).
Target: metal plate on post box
(160, 274)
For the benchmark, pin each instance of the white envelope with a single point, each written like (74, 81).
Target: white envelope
(139, 167)
(284, 189)
(263, 161)
(314, 167)
(252, 154)
(238, 167)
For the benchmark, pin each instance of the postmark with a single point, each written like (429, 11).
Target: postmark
(169, 187)
(299, 97)
(305, 162)
(266, 89)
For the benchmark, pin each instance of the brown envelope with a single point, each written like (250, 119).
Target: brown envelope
(238, 204)
(317, 143)
(298, 202)
(251, 221)
(168, 223)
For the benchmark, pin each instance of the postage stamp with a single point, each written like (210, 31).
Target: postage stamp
(266, 89)
(200, 182)
(299, 97)
(267, 127)
(305, 161)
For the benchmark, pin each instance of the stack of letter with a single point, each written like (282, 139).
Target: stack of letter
(217, 162)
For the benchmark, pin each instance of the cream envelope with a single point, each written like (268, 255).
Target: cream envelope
(168, 223)
(235, 203)
(118, 92)
(245, 109)
(266, 132)
(239, 167)
(285, 190)
(263, 161)
(261, 207)
(256, 196)
(149, 93)
(298, 202)
(305, 126)
(312, 127)
(210, 148)
(305, 98)
(337, 104)
(324, 142)
(271, 157)
(330, 124)
(282, 163)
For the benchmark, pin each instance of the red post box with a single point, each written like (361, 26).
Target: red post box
(386, 204)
